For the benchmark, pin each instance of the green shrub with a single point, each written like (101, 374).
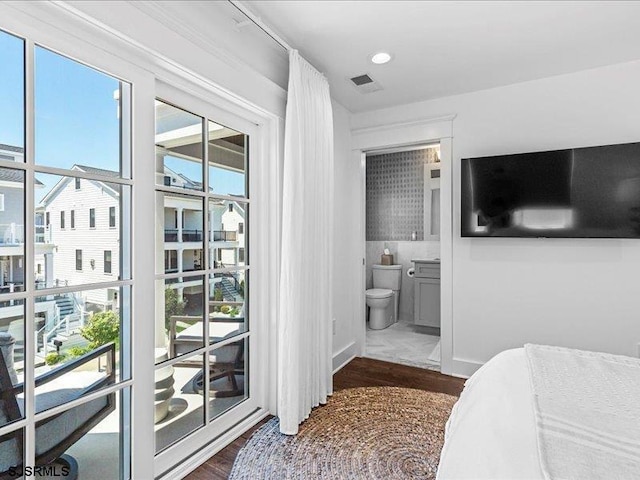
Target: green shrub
(225, 308)
(241, 289)
(75, 352)
(101, 328)
(234, 312)
(173, 305)
(53, 358)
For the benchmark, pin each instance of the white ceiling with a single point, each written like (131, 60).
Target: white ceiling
(447, 48)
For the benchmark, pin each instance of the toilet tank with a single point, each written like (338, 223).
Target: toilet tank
(387, 276)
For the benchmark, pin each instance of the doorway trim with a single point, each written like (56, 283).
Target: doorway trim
(400, 135)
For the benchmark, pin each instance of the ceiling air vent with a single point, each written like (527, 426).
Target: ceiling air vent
(365, 84)
(362, 80)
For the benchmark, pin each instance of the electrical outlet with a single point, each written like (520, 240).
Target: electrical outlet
(333, 326)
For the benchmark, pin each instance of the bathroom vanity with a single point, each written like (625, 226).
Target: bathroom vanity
(427, 293)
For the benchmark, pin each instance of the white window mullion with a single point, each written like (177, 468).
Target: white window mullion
(205, 259)
(29, 280)
(143, 274)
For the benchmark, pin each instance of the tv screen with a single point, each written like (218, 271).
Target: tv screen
(589, 192)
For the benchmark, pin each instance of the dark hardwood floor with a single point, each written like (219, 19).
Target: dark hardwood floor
(360, 372)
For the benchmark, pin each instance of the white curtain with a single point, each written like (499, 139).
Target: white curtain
(304, 321)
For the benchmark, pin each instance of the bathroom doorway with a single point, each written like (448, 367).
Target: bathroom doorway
(402, 255)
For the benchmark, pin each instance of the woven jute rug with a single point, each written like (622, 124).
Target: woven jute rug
(361, 433)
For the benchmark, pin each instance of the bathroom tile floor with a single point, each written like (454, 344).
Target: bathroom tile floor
(404, 343)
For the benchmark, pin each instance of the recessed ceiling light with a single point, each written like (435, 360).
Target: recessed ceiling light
(380, 58)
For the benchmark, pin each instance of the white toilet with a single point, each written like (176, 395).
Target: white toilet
(382, 299)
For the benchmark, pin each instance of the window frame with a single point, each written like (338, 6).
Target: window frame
(79, 259)
(19, 24)
(92, 217)
(72, 219)
(114, 223)
(119, 56)
(107, 262)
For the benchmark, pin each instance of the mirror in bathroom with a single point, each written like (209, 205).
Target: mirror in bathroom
(432, 201)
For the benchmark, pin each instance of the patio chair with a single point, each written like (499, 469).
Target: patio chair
(223, 360)
(63, 384)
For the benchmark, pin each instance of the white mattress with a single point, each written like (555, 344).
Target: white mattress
(491, 433)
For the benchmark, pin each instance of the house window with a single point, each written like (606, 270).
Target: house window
(62, 220)
(77, 184)
(92, 218)
(170, 260)
(73, 219)
(47, 219)
(231, 207)
(107, 261)
(79, 260)
(241, 227)
(112, 217)
(241, 255)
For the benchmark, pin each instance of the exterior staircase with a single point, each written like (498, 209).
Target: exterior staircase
(229, 292)
(64, 325)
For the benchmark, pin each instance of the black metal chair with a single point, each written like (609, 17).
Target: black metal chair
(58, 433)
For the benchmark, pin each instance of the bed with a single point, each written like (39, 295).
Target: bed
(546, 412)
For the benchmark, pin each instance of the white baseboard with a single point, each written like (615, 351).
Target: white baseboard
(464, 368)
(344, 356)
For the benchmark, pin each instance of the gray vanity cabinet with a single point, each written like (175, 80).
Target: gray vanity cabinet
(427, 294)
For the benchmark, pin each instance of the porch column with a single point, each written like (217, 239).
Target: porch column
(179, 225)
(48, 270)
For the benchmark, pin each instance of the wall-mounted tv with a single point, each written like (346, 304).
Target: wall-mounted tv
(589, 192)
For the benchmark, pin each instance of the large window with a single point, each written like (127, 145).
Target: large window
(65, 325)
(201, 201)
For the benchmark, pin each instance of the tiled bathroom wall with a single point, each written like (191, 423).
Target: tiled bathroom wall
(395, 194)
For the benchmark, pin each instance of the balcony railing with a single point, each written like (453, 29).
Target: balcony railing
(11, 234)
(225, 236)
(171, 235)
(191, 235)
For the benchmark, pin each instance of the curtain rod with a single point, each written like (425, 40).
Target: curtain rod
(260, 24)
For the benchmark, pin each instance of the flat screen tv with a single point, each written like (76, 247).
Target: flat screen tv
(589, 192)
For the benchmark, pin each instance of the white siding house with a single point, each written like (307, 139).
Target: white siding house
(82, 221)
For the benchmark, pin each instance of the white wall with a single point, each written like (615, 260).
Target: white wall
(347, 259)
(580, 293)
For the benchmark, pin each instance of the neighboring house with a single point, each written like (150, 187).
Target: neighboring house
(82, 219)
(12, 232)
(228, 233)
(183, 238)
(12, 215)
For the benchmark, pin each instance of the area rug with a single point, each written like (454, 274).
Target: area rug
(361, 433)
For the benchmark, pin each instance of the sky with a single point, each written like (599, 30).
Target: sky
(76, 116)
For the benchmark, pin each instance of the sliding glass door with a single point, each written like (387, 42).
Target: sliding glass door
(203, 332)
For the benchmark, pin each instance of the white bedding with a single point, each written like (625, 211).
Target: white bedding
(491, 433)
(546, 412)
